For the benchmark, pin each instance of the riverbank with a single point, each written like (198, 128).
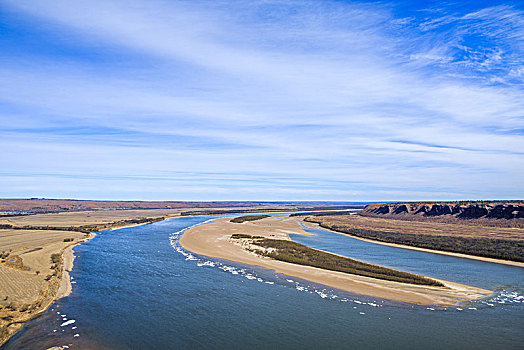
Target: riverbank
(38, 256)
(214, 240)
(20, 309)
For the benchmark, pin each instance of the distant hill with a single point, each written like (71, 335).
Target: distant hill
(9, 207)
(43, 205)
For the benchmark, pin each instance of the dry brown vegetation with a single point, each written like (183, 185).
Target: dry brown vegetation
(242, 219)
(29, 277)
(14, 262)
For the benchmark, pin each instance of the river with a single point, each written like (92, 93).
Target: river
(136, 288)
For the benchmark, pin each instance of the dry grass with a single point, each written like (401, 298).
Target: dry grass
(15, 262)
(21, 240)
(32, 250)
(29, 285)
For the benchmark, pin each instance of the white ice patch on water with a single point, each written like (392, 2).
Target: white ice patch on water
(67, 323)
(504, 297)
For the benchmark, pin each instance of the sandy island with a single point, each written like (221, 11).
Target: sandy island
(214, 240)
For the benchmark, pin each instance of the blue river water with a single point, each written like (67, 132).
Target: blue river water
(136, 288)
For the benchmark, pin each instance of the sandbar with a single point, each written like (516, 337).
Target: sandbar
(214, 240)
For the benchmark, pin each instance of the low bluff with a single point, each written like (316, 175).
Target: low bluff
(487, 210)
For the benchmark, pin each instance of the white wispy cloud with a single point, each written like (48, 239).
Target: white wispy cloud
(317, 100)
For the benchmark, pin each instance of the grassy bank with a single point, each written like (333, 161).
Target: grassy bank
(297, 253)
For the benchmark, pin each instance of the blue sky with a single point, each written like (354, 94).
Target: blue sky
(262, 100)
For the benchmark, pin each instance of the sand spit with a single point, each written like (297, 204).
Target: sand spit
(214, 240)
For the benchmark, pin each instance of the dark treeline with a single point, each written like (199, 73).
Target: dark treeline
(84, 228)
(100, 227)
(490, 248)
(39, 227)
(297, 253)
(242, 219)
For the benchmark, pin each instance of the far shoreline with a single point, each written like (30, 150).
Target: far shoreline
(314, 225)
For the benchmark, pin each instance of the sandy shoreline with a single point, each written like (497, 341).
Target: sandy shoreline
(441, 252)
(68, 257)
(214, 240)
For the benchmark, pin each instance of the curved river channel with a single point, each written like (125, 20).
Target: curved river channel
(136, 288)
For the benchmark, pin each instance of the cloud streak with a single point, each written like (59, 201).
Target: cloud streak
(284, 100)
